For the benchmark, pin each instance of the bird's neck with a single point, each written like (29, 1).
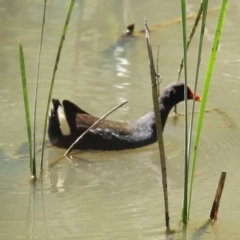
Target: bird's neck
(165, 106)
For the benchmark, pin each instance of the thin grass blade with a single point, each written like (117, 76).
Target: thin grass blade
(26, 106)
(207, 84)
(191, 37)
(54, 74)
(204, 5)
(185, 183)
(36, 84)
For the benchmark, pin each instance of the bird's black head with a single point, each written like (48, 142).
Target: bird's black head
(175, 92)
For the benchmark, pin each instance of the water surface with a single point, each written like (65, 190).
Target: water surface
(114, 195)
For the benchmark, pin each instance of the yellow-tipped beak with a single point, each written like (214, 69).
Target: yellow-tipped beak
(198, 99)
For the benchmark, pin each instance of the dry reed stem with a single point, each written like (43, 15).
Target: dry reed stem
(216, 202)
(99, 120)
(154, 77)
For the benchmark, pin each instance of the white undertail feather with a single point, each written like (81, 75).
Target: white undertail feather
(50, 110)
(65, 129)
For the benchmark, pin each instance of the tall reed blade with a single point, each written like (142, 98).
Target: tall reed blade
(198, 17)
(27, 115)
(36, 84)
(188, 44)
(54, 74)
(185, 184)
(205, 6)
(207, 83)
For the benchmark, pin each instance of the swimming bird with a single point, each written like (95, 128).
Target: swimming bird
(67, 122)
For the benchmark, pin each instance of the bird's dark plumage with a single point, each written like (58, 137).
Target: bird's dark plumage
(67, 122)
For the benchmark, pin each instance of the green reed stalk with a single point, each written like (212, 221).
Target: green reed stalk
(36, 84)
(198, 17)
(204, 7)
(207, 84)
(54, 74)
(191, 37)
(185, 183)
(26, 105)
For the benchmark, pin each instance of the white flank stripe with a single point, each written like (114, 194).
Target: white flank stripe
(50, 110)
(65, 129)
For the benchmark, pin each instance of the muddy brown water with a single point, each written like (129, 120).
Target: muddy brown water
(115, 195)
